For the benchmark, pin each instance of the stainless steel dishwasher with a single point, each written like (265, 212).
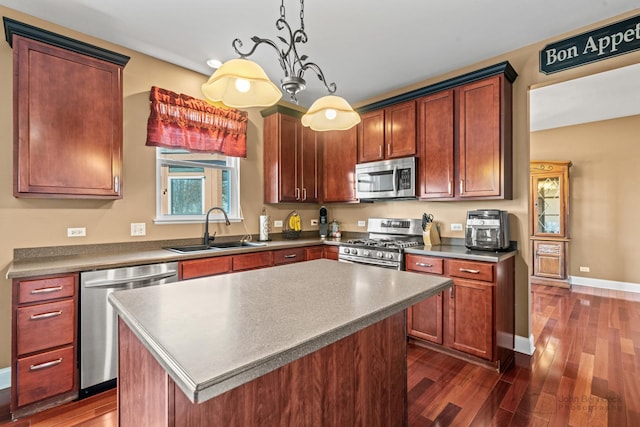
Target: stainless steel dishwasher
(98, 321)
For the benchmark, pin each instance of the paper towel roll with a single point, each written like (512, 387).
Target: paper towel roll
(264, 227)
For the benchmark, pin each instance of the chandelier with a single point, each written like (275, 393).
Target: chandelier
(242, 83)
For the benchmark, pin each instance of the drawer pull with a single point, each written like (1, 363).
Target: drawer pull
(468, 270)
(423, 264)
(45, 365)
(291, 256)
(46, 315)
(46, 290)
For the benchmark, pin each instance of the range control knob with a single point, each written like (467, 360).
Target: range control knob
(366, 252)
(379, 254)
(389, 256)
(346, 250)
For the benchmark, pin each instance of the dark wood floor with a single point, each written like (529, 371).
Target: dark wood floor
(585, 372)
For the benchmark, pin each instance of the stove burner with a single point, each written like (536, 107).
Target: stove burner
(384, 243)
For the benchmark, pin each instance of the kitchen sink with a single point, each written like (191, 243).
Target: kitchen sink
(212, 247)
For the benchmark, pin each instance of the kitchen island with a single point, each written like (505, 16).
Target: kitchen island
(313, 343)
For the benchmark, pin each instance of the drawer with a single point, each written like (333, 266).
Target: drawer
(471, 270)
(45, 375)
(251, 261)
(46, 289)
(44, 326)
(286, 256)
(205, 267)
(424, 264)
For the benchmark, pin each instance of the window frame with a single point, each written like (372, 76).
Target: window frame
(232, 165)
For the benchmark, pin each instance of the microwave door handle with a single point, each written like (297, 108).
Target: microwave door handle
(395, 180)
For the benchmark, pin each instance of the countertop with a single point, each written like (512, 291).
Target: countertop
(215, 333)
(68, 259)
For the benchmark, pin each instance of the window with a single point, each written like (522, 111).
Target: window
(189, 183)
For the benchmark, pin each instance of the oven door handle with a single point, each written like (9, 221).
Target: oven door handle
(375, 263)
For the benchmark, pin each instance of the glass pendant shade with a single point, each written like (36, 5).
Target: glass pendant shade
(241, 83)
(330, 113)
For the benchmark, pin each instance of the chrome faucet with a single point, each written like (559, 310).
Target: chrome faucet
(205, 239)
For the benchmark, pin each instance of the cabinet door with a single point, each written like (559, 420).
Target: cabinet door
(193, 268)
(548, 205)
(435, 141)
(400, 130)
(339, 150)
(471, 318)
(68, 115)
(371, 135)
(314, 252)
(252, 261)
(549, 259)
(331, 252)
(480, 139)
(424, 319)
(309, 164)
(289, 187)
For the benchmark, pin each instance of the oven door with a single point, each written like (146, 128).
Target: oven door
(373, 262)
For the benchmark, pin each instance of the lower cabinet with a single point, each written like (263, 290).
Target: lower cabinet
(475, 317)
(44, 334)
(204, 267)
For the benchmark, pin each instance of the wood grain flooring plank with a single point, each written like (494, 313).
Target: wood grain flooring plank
(491, 406)
(446, 417)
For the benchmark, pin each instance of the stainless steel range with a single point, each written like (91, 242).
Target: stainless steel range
(384, 247)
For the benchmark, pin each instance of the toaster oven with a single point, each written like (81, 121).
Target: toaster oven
(487, 229)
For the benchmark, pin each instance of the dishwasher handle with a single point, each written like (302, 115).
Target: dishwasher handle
(112, 283)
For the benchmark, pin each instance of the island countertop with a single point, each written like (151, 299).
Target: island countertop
(215, 333)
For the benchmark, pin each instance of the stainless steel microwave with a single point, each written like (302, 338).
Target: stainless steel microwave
(386, 179)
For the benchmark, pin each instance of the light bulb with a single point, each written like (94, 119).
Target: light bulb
(330, 114)
(243, 85)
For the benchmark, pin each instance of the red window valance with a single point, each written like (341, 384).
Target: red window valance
(181, 121)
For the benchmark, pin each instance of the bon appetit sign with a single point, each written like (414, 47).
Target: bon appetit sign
(612, 40)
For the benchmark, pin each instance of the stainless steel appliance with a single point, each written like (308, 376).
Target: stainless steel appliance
(98, 321)
(386, 179)
(385, 244)
(487, 229)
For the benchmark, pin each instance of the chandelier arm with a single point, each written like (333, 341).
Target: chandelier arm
(237, 44)
(331, 87)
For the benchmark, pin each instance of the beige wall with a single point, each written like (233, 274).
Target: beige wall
(33, 223)
(603, 204)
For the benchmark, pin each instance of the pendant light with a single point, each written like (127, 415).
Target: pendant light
(242, 83)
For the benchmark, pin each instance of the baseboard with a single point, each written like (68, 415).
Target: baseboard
(605, 284)
(524, 345)
(5, 378)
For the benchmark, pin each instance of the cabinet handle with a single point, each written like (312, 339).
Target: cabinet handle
(451, 292)
(46, 290)
(297, 193)
(46, 315)
(389, 150)
(422, 264)
(468, 270)
(380, 151)
(304, 194)
(116, 184)
(461, 186)
(449, 185)
(291, 256)
(45, 365)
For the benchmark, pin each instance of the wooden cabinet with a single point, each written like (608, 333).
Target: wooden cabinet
(67, 117)
(465, 145)
(475, 317)
(424, 319)
(549, 207)
(339, 156)
(288, 256)
(322, 251)
(291, 161)
(387, 133)
(193, 268)
(252, 261)
(44, 343)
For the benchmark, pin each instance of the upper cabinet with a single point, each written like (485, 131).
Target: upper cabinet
(291, 161)
(67, 116)
(339, 156)
(464, 136)
(387, 133)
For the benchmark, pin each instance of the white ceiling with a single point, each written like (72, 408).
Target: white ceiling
(602, 96)
(365, 47)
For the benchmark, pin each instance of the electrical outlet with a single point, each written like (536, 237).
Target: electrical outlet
(362, 223)
(584, 269)
(456, 227)
(314, 222)
(138, 229)
(76, 232)
(277, 224)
